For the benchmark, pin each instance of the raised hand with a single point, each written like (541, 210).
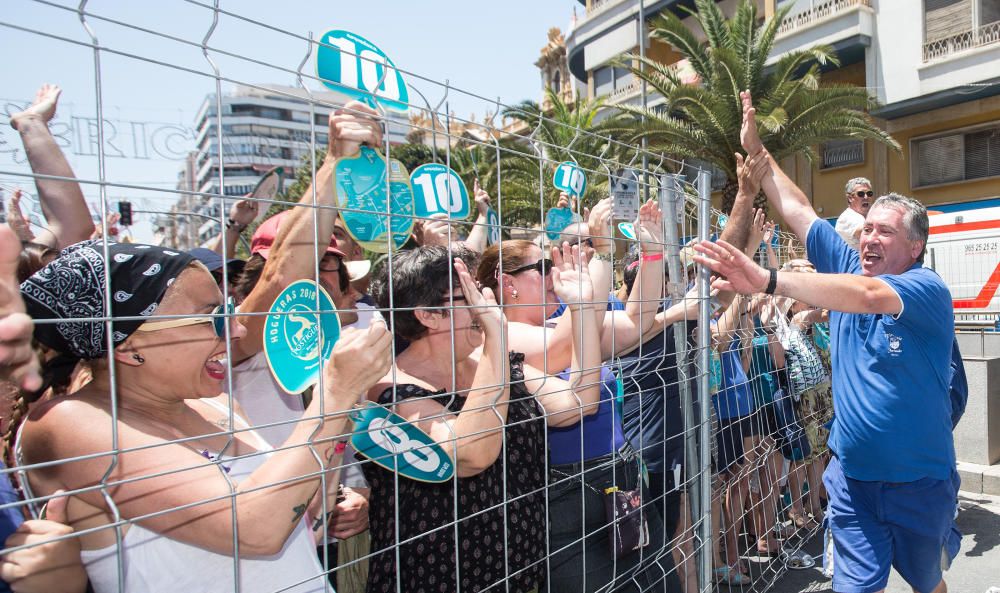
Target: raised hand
(18, 363)
(43, 108)
(352, 126)
(649, 227)
(750, 172)
(244, 212)
(757, 228)
(740, 273)
(563, 200)
(482, 198)
(16, 219)
(749, 137)
(484, 307)
(359, 359)
(570, 275)
(433, 231)
(599, 223)
(768, 232)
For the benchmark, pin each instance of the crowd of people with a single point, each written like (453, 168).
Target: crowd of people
(151, 448)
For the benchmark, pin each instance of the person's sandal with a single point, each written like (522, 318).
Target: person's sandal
(800, 520)
(727, 575)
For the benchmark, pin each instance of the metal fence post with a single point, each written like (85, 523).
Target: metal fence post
(704, 482)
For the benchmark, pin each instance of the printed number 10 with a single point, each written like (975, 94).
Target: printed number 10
(572, 177)
(436, 191)
(370, 65)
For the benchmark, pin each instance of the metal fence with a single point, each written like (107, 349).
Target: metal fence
(515, 162)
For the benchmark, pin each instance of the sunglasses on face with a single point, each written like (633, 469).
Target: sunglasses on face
(343, 279)
(864, 194)
(218, 318)
(542, 266)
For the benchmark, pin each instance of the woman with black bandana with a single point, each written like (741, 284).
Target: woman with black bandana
(169, 463)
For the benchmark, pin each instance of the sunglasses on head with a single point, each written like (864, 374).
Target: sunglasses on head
(218, 318)
(863, 194)
(542, 266)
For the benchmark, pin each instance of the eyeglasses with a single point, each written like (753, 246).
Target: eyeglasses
(863, 194)
(542, 266)
(452, 297)
(219, 317)
(343, 278)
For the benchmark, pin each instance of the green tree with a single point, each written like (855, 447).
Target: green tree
(567, 131)
(702, 120)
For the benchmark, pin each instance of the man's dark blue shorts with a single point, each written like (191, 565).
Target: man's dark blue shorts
(877, 525)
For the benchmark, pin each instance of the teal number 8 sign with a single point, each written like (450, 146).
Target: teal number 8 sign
(492, 227)
(570, 178)
(438, 190)
(397, 445)
(354, 66)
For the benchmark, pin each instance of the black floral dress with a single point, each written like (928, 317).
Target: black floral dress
(429, 559)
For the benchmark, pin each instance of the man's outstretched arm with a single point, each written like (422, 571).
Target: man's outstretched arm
(786, 197)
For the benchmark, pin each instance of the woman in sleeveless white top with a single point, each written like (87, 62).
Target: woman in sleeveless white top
(175, 497)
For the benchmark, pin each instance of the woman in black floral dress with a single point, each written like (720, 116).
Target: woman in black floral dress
(485, 529)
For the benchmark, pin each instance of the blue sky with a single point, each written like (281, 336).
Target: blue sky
(486, 48)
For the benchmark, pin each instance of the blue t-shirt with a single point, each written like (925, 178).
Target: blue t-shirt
(890, 375)
(601, 432)
(10, 518)
(734, 399)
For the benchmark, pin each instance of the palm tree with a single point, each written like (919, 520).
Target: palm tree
(702, 120)
(566, 131)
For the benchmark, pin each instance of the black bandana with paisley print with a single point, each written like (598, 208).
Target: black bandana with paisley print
(72, 286)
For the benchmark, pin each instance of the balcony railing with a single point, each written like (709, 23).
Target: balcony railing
(978, 37)
(842, 153)
(624, 92)
(817, 12)
(599, 5)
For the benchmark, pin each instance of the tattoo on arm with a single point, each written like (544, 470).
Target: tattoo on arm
(299, 511)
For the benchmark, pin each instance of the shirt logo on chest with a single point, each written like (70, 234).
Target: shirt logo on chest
(895, 344)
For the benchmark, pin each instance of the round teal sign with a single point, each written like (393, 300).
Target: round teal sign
(352, 65)
(438, 190)
(627, 229)
(397, 445)
(292, 335)
(558, 219)
(360, 185)
(570, 178)
(492, 227)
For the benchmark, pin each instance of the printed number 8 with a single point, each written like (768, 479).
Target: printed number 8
(392, 438)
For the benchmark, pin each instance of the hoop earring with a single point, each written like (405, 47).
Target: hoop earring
(138, 358)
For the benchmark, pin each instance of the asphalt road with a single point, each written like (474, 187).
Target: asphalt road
(975, 570)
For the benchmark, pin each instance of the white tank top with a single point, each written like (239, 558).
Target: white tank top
(155, 563)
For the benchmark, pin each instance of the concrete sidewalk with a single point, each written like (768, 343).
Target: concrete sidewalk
(975, 570)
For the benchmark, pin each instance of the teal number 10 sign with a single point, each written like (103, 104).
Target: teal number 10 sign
(352, 65)
(570, 178)
(438, 190)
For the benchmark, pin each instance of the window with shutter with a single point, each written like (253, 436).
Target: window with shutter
(840, 153)
(957, 156)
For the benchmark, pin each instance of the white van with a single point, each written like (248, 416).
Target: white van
(964, 248)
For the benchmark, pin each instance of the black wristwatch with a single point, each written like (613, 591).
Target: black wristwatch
(772, 282)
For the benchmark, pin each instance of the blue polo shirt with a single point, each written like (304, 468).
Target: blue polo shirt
(890, 375)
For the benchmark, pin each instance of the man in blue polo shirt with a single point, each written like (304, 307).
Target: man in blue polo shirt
(892, 481)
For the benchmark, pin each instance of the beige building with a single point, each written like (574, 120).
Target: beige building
(934, 65)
